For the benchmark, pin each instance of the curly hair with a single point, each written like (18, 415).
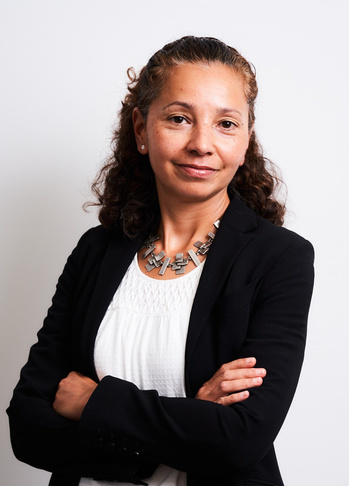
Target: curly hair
(125, 187)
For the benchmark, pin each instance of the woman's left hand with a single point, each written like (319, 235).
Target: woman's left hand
(72, 395)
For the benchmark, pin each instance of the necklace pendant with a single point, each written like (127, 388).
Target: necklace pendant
(152, 263)
(180, 270)
(193, 256)
(165, 264)
(198, 244)
(150, 249)
(149, 267)
(160, 256)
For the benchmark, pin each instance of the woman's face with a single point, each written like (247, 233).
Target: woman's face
(196, 132)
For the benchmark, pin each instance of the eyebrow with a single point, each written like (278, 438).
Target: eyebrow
(189, 106)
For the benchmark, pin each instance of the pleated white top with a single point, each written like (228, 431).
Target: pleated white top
(142, 339)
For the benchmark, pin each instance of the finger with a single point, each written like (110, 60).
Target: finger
(227, 387)
(241, 373)
(233, 375)
(234, 398)
(238, 363)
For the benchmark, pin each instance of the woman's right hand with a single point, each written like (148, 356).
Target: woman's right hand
(230, 383)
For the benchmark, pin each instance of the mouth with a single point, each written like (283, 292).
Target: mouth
(197, 171)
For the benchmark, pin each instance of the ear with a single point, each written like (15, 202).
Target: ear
(139, 128)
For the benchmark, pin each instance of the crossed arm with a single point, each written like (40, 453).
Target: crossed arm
(229, 385)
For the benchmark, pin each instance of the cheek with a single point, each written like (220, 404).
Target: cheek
(159, 153)
(161, 148)
(234, 155)
(243, 146)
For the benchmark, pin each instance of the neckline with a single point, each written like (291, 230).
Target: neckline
(195, 270)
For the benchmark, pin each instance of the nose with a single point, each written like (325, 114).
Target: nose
(201, 140)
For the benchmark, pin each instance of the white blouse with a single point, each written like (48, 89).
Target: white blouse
(142, 339)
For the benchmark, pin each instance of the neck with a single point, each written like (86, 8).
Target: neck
(183, 224)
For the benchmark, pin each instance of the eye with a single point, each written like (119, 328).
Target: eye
(227, 124)
(177, 119)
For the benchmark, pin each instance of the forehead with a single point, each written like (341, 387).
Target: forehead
(209, 82)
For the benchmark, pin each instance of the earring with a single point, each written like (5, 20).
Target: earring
(142, 147)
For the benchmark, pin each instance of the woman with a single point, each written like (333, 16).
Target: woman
(174, 343)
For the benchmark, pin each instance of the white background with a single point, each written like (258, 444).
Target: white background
(63, 73)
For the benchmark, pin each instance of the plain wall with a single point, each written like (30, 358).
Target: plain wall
(63, 74)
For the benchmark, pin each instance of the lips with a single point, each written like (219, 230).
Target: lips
(196, 171)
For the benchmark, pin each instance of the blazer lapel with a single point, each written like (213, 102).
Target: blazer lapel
(230, 240)
(115, 263)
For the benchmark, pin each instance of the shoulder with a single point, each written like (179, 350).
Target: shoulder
(94, 243)
(283, 251)
(278, 235)
(97, 234)
(93, 238)
(266, 240)
(272, 259)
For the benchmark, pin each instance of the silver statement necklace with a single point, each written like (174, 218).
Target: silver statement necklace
(179, 264)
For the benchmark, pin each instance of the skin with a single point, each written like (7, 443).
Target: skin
(196, 135)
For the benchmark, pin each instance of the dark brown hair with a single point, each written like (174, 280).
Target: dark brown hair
(125, 187)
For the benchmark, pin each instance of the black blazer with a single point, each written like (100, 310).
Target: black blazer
(252, 300)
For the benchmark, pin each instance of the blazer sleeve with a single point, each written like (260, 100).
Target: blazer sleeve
(206, 438)
(40, 436)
